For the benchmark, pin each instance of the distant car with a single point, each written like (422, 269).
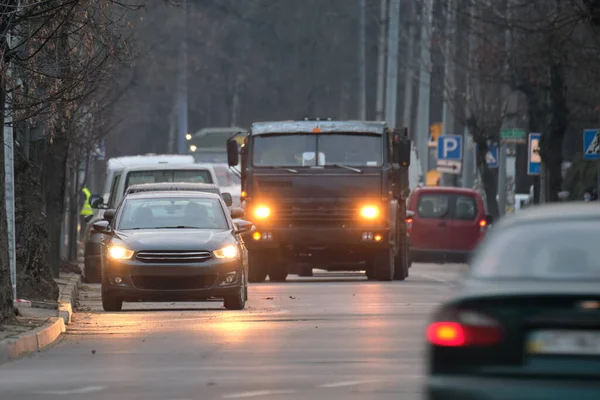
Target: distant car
(181, 186)
(173, 246)
(525, 322)
(446, 222)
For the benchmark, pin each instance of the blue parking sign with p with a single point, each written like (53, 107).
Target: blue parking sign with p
(449, 147)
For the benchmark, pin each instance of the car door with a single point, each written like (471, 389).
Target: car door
(431, 224)
(467, 215)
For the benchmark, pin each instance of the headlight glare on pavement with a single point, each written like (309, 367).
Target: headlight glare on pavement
(120, 253)
(229, 252)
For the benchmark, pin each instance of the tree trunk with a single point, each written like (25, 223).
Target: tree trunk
(54, 174)
(6, 300)
(34, 279)
(552, 143)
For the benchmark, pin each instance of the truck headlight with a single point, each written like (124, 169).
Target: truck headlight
(226, 252)
(262, 212)
(369, 212)
(120, 253)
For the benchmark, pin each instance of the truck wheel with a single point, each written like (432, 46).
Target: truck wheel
(257, 267)
(305, 271)
(278, 272)
(383, 265)
(402, 263)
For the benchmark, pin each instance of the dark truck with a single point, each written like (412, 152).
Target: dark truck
(325, 194)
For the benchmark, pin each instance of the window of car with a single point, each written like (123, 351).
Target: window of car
(433, 206)
(172, 212)
(550, 250)
(465, 209)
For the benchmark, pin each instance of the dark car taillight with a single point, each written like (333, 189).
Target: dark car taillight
(457, 328)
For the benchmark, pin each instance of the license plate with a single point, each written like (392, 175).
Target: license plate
(564, 342)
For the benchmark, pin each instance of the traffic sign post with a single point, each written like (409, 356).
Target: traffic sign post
(491, 157)
(449, 147)
(534, 161)
(512, 136)
(591, 150)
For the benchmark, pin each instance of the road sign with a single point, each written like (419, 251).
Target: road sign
(491, 157)
(591, 144)
(534, 161)
(512, 135)
(449, 147)
(449, 167)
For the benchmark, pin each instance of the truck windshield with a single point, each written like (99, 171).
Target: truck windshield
(300, 150)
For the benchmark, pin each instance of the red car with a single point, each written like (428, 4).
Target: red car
(445, 222)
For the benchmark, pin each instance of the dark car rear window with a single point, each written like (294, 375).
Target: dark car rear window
(550, 250)
(439, 205)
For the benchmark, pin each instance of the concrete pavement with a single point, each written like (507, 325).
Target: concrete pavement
(332, 336)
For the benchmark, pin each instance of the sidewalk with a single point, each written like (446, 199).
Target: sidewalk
(40, 323)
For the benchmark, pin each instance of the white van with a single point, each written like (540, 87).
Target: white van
(117, 164)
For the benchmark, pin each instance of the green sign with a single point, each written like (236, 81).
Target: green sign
(512, 135)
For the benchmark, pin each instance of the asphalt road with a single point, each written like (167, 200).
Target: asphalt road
(333, 336)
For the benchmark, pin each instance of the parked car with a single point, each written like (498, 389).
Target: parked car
(525, 321)
(446, 222)
(173, 246)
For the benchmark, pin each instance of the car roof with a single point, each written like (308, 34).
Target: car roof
(555, 212)
(170, 194)
(446, 189)
(172, 186)
(159, 167)
(265, 128)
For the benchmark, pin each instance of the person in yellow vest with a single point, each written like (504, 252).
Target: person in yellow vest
(86, 211)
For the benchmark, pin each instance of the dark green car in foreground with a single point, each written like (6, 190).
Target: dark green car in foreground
(525, 323)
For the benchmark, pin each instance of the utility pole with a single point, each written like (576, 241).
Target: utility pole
(392, 63)
(362, 62)
(469, 164)
(182, 92)
(379, 107)
(9, 171)
(409, 81)
(422, 133)
(448, 112)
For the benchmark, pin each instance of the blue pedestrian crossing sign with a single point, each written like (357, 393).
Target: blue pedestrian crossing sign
(591, 144)
(449, 147)
(534, 160)
(491, 157)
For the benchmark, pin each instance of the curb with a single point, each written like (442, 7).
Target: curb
(39, 338)
(66, 300)
(32, 341)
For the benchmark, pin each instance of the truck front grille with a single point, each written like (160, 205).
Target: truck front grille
(328, 213)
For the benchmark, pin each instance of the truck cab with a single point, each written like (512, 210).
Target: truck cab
(324, 194)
